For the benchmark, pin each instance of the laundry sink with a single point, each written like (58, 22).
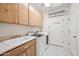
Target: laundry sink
(37, 35)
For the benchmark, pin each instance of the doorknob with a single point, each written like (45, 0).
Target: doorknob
(74, 36)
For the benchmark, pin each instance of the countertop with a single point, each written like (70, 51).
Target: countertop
(12, 43)
(9, 42)
(8, 37)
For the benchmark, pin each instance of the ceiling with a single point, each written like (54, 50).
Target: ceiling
(43, 9)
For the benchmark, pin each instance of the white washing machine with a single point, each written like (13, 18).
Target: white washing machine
(41, 44)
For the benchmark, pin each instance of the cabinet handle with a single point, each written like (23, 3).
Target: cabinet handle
(26, 47)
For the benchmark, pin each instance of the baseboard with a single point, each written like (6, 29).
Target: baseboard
(56, 45)
(64, 48)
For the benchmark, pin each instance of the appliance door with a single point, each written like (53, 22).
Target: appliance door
(40, 45)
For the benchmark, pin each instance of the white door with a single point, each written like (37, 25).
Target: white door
(40, 45)
(55, 35)
(71, 31)
(72, 41)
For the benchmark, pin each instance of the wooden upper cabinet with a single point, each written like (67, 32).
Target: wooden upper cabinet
(32, 16)
(35, 17)
(8, 12)
(39, 20)
(23, 14)
(19, 13)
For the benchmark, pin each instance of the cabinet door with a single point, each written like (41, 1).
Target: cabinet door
(23, 53)
(12, 12)
(32, 17)
(3, 12)
(35, 18)
(39, 19)
(33, 50)
(8, 12)
(29, 52)
(23, 14)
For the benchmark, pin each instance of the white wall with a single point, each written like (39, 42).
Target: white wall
(13, 29)
(45, 23)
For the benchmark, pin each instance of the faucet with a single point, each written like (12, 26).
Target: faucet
(36, 32)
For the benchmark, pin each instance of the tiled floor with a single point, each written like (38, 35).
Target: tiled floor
(56, 51)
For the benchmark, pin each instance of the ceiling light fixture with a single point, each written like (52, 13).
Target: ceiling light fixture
(47, 4)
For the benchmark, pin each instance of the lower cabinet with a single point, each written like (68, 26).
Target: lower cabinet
(29, 52)
(22, 54)
(27, 49)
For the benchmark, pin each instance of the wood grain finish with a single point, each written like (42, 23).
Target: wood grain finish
(35, 18)
(18, 13)
(3, 13)
(8, 12)
(29, 52)
(23, 50)
(12, 12)
(23, 14)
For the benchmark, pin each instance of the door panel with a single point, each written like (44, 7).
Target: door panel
(72, 44)
(72, 32)
(23, 14)
(8, 12)
(35, 17)
(56, 36)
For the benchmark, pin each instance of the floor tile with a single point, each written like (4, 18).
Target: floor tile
(56, 51)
